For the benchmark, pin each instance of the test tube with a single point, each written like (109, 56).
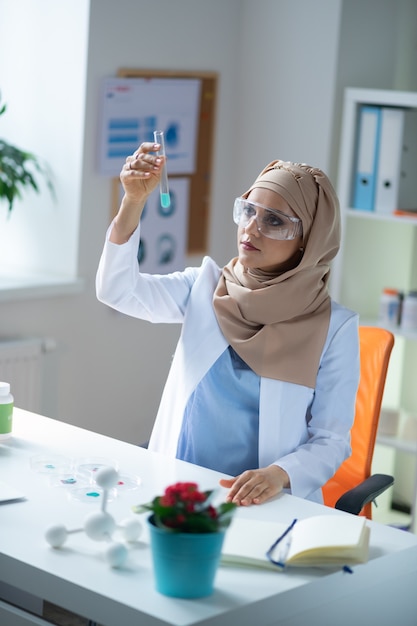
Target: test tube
(164, 189)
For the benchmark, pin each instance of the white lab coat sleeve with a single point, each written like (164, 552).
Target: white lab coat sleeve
(330, 417)
(160, 298)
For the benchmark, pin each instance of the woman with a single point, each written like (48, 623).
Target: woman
(263, 382)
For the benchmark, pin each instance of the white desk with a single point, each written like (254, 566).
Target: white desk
(383, 591)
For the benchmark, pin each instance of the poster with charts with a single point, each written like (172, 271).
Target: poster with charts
(164, 230)
(132, 108)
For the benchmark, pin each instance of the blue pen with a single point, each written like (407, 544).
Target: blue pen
(284, 547)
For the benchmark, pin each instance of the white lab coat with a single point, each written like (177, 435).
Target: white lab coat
(305, 431)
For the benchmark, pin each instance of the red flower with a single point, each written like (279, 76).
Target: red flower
(167, 500)
(182, 508)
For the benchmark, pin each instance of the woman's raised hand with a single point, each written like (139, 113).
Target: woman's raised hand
(141, 172)
(140, 175)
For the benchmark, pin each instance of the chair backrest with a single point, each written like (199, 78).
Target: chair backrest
(375, 350)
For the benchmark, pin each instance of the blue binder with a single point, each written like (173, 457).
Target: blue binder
(366, 170)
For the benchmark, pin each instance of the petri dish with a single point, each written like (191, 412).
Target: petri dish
(68, 480)
(90, 494)
(89, 466)
(50, 464)
(127, 482)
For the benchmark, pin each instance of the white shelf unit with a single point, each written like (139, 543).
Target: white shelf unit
(377, 251)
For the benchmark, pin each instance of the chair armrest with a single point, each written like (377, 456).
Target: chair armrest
(355, 499)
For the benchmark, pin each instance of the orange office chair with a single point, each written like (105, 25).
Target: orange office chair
(352, 488)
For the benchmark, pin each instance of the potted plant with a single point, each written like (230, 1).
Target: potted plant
(187, 533)
(18, 170)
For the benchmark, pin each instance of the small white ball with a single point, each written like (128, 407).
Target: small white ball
(56, 536)
(99, 526)
(107, 477)
(131, 528)
(116, 554)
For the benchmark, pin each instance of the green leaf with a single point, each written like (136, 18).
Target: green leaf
(20, 170)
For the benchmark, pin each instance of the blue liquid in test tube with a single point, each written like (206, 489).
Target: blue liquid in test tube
(164, 188)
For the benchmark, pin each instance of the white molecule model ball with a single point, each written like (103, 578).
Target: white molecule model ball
(99, 526)
(131, 528)
(107, 477)
(56, 536)
(116, 554)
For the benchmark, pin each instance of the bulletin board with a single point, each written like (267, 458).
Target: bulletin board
(200, 178)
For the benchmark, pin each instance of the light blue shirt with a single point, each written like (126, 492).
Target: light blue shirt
(221, 420)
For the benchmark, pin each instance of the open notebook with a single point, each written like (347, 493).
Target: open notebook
(8, 493)
(315, 541)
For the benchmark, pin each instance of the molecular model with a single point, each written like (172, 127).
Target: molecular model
(100, 526)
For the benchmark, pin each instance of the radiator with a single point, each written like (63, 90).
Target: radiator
(21, 365)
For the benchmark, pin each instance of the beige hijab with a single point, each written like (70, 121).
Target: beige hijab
(278, 324)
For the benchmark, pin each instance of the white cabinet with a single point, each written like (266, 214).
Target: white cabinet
(379, 250)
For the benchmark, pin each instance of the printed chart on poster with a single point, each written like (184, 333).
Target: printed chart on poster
(163, 240)
(164, 231)
(133, 108)
(182, 104)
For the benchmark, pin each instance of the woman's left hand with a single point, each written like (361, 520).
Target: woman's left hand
(256, 486)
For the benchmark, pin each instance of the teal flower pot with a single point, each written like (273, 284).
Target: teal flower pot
(185, 564)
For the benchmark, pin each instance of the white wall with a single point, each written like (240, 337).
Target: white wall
(288, 65)
(42, 81)
(278, 65)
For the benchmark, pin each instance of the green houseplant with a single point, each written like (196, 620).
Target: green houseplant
(19, 171)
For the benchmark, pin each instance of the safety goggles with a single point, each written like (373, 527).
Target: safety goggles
(270, 222)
